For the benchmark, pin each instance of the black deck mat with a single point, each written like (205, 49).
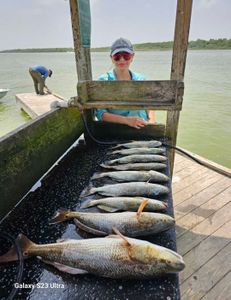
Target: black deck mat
(62, 188)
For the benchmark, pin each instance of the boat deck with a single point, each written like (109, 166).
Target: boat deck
(202, 206)
(36, 105)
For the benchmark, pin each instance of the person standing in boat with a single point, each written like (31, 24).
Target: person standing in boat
(122, 54)
(39, 75)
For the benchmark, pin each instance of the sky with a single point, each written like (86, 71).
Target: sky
(47, 23)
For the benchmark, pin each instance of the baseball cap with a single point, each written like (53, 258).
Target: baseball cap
(121, 45)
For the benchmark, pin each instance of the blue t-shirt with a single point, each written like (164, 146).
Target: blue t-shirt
(42, 70)
(123, 112)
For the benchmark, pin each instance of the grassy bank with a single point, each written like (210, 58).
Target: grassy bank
(212, 44)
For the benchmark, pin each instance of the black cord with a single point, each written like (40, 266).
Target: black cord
(10, 238)
(114, 143)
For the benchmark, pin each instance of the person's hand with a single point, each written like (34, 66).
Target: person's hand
(136, 122)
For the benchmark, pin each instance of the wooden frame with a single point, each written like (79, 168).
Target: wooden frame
(158, 95)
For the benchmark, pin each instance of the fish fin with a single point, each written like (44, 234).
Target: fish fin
(107, 208)
(141, 207)
(88, 203)
(59, 216)
(24, 243)
(105, 166)
(64, 268)
(89, 229)
(120, 235)
(148, 180)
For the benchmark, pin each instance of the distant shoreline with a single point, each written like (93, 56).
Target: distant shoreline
(212, 44)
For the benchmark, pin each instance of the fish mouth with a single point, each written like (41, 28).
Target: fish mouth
(59, 216)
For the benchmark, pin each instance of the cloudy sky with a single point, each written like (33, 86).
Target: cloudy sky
(46, 23)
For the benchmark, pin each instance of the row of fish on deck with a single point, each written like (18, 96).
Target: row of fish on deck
(117, 253)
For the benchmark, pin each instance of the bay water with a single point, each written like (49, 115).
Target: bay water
(205, 120)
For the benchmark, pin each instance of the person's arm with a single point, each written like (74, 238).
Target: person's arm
(134, 122)
(151, 117)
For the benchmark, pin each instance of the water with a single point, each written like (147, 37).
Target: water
(205, 121)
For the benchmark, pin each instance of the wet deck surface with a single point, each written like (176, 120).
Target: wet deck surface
(202, 207)
(62, 188)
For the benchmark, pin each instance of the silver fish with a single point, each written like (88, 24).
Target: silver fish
(123, 176)
(115, 256)
(130, 189)
(129, 223)
(135, 144)
(112, 204)
(136, 166)
(139, 151)
(137, 158)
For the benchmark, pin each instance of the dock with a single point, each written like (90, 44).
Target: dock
(36, 105)
(202, 206)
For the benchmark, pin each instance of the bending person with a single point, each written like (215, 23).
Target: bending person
(122, 54)
(39, 75)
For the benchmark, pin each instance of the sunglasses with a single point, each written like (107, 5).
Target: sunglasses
(125, 55)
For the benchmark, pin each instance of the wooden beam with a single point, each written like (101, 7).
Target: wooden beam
(82, 54)
(158, 95)
(180, 46)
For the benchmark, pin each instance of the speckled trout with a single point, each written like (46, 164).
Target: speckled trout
(129, 189)
(136, 166)
(138, 158)
(139, 151)
(123, 176)
(129, 223)
(112, 204)
(135, 144)
(115, 256)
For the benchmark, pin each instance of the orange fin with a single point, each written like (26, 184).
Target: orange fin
(119, 234)
(142, 206)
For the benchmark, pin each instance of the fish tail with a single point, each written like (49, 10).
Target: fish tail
(89, 191)
(24, 243)
(59, 216)
(96, 176)
(87, 204)
(116, 147)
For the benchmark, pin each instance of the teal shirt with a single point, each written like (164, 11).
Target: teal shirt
(123, 112)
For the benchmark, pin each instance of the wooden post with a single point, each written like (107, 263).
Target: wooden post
(180, 46)
(81, 27)
(82, 54)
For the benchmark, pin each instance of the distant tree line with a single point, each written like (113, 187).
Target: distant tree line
(199, 44)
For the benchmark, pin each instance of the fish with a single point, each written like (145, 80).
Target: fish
(129, 189)
(136, 166)
(123, 176)
(112, 204)
(131, 224)
(135, 144)
(139, 151)
(138, 158)
(115, 256)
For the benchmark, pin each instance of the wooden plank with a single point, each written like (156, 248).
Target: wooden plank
(221, 290)
(207, 249)
(130, 105)
(180, 46)
(165, 91)
(206, 277)
(196, 187)
(36, 105)
(185, 178)
(197, 234)
(202, 197)
(205, 211)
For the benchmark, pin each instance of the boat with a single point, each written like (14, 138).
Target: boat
(3, 92)
(31, 150)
